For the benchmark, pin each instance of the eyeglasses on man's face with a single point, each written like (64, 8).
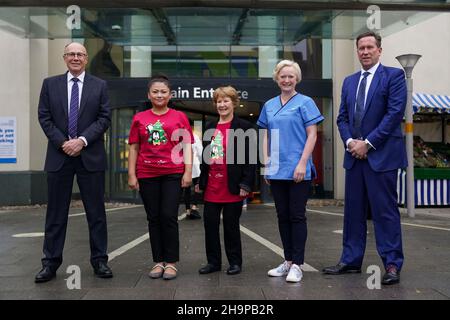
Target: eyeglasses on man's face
(75, 54)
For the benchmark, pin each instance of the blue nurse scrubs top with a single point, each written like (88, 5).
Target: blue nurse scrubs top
(286, 125)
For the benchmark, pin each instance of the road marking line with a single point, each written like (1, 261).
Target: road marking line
(271, 246)
(424, 226)
(248, 232)
(127, 246)
(28, 235)
(403, 223)
(134, 243)
(326, 212)
(107, 210)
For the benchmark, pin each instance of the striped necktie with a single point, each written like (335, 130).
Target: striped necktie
(360, 99)
(73, 111)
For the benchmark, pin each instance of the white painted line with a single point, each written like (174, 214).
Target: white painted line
(340, 231)
(107, 210)
(134, 243)
(424, 226)
(28, 235)
(326, 212)
(403, 223)
(271, 246)
(128, 246)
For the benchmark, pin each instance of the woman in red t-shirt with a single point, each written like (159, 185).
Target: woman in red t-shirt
(226, 178)
(159, 165)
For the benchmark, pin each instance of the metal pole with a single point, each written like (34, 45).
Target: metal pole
(409, 131)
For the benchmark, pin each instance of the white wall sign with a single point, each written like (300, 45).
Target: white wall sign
(8, 140)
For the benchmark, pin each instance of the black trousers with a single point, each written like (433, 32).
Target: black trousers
(190, 199)
(92, 189)
(232, 235)
(160, 196)
(290, 203)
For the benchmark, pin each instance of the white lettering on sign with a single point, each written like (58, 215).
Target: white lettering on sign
(200, 93)
(180, 93)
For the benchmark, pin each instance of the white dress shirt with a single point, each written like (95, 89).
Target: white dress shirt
(69, 94)
(368, 83)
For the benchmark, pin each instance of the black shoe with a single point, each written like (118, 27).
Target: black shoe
(46, 274)
(194, 215)
(209, 268)
(102, 270)
(234, 269)
(341, 268)
(391, 276)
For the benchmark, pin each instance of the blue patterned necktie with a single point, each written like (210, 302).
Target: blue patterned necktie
(73, 111)
(360, 98)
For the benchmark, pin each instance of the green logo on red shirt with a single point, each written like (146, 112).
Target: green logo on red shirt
(217, 146)
(156, 133)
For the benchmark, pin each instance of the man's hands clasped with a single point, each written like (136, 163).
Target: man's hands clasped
(73, 147)
(358, 149)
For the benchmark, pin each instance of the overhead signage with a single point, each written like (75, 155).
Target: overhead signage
(200, 93)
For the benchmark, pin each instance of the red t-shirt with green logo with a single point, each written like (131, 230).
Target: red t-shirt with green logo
(159, 138)
(217, 186)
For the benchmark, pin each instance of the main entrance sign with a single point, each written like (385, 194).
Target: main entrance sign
(125, 92)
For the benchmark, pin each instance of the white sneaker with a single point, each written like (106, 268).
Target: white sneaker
(295, 274)
(280, 271)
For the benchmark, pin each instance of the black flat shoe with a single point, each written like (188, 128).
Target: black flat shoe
(209, 268)
(194, 215)
(234, 269)
(46, 274)
(102, 270)
(341, 268)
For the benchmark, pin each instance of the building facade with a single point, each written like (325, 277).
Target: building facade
(200, 48)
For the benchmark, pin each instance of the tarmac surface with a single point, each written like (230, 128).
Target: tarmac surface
(425, 275)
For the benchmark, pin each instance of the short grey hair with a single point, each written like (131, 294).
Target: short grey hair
(287, 63)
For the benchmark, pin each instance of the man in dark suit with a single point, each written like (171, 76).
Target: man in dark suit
(372, 106)
(74, 115)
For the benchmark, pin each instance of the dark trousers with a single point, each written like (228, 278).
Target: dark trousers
(232, 235)
(189, 198)
(366, 189)
(160, 196)
(92, 189)
(290, 203)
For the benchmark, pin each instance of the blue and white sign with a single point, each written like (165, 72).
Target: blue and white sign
(8, 140)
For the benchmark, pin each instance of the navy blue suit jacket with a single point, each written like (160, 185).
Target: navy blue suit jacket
(94, 118)
(382, 117)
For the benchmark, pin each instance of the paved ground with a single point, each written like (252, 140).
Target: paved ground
(426, 273)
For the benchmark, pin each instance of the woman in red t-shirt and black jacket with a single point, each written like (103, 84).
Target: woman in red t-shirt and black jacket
(226, 179)
(158, 167)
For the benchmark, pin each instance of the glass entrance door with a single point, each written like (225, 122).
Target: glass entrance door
(118, 155)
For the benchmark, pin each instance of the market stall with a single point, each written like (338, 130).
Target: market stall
(431, 152)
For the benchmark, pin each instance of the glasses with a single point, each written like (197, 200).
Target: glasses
(75, 54)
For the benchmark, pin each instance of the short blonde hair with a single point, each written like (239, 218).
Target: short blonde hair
(287, 63)
(227, 91)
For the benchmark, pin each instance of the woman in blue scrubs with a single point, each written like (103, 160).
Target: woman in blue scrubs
(291, 121)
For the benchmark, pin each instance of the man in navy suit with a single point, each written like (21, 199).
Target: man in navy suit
(74, 114)
(372, 106)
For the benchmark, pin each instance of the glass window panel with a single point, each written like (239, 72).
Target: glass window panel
(244, 61)
(203, 61)
(165, 60)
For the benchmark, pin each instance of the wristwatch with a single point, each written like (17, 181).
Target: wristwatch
(368, 145)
